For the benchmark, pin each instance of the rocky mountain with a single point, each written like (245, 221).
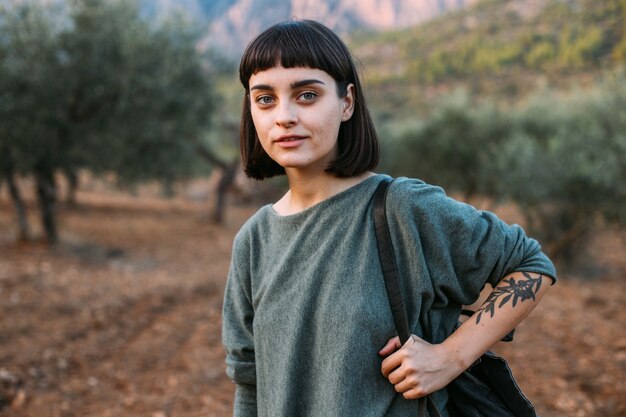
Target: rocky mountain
(232, 23)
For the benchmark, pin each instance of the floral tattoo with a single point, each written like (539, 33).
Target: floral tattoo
(520, 290)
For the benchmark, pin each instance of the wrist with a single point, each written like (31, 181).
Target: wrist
(458, 356)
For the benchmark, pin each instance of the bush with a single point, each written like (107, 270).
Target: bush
(561, 159)
(443, 149)
(576, 168)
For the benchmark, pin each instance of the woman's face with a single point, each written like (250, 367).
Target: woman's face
(297, 113)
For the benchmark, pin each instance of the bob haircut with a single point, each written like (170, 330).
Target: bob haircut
(306, 43)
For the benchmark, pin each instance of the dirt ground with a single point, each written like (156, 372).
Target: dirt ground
(123, 318)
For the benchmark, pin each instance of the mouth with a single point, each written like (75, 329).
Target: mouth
(290, 141)
(290, 138)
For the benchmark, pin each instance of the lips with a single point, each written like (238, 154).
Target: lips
(290, 141)
(290, 138)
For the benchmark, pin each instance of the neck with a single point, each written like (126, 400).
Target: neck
(308, 190)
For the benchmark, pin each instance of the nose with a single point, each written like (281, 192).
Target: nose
(286, 115)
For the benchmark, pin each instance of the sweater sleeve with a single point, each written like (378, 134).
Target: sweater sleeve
(465, 248)
(237, 337)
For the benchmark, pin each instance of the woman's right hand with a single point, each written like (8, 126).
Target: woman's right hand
(418, 368)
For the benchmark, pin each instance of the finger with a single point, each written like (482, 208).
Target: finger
(392, 345)
(405, 385)
(414, 339)
(391, 362)
(397, 376)
(414, 393)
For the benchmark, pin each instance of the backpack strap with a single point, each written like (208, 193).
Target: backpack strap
(392, 283)
(388, 261)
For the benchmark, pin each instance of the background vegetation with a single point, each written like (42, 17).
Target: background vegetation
(500, 47)
(90, 85)
(510, 101)
(561, 159)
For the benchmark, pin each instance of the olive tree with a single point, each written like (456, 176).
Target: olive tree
(94, 86)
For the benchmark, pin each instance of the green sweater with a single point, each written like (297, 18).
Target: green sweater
(306, 311)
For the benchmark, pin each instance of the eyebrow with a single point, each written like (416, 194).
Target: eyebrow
(294, 85)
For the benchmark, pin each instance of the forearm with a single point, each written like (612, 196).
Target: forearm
(509, 303)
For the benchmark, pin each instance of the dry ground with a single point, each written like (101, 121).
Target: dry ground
(123, 318)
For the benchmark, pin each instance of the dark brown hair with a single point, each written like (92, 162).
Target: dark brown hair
(306, 43)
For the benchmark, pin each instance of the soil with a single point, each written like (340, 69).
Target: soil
(123, 317)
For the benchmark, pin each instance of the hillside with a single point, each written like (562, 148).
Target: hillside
(232, 23)
(501, 47)
(228, 25)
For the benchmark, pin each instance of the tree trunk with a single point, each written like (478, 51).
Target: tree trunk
(564, 247)
(226, 180)
(72, 182)
(46, 197)
(20, 207)
(229, 171)
(167, 188)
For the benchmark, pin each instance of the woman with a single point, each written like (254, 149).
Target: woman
(307, 325)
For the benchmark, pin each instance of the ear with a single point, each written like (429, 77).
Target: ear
(348, 103)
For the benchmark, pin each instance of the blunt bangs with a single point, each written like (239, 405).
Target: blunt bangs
(293, 44)
(308, 44)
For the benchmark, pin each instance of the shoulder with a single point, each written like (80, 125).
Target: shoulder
(415, 194)
(403, 185)
(413, 199)
(251, 230)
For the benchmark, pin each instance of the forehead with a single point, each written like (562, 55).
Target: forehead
(280, 76)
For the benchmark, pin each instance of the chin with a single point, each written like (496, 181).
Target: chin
(291, 163)
(296, 163)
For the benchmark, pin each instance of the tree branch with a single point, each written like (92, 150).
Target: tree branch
(208, 154)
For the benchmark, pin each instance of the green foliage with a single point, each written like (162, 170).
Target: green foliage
(620, 50)
(27, 55)
(89, 84)
(443, 149)
(579, 170)
(497, 46)
(562, 159)
(94, 86)
(541, 54)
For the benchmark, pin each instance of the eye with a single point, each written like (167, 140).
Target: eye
(264, 100)
(308, 96)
